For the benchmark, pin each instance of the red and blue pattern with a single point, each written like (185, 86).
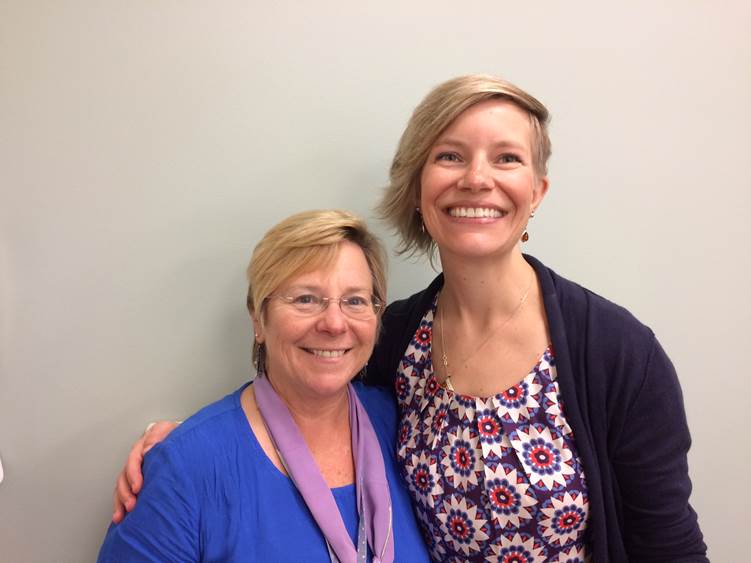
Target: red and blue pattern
(494, 478)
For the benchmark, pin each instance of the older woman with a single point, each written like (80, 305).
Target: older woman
(539, 421)
(299, 465)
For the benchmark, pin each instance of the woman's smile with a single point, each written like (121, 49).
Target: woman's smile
(327, 353)
(479, 185)
(318, 354)
(464, 212)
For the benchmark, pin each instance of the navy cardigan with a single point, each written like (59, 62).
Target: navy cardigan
(624, 405)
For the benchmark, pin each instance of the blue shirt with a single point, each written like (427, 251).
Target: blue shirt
(211, 494)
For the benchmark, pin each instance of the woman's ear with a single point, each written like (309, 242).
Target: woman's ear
(540, 189)
(258, 331)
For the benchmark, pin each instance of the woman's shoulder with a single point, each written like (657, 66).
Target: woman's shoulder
(213, 413)
(586, 311)
(212, 428)
(607, 345)
(601, 309)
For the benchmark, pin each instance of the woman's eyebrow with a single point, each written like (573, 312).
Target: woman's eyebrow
(302, 287)
(505, 143)
(318, 289)
(510, 145)
(358, 289)
(450, 142)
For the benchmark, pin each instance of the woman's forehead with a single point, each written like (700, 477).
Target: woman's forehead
(346, 268)
(499, 115)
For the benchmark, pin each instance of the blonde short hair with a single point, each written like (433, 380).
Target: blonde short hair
(305, 242)
(440, 107)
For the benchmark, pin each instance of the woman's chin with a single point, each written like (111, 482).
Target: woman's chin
(329, 382)
(478, 247)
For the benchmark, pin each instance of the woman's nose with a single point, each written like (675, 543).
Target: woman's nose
(477, 177)
(332, 319)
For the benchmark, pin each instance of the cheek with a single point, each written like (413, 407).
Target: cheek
(522, 187)
(367, 337)
(430, 180)
(282, 337)
(435, 182)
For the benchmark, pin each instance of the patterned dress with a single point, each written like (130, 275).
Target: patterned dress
(492, 479)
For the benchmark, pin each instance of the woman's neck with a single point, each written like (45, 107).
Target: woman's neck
(324, 426)
(484, 289)
(316, 416)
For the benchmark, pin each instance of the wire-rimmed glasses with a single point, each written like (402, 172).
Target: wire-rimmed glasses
(353, 306)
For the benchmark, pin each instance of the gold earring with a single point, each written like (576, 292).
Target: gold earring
(525, 234)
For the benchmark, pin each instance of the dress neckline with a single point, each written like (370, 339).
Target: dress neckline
(450, 393)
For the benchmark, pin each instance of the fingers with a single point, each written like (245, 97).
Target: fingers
(130, 479)
(128, 483)
(131, 476)
(122, 499)
(118, 511)
(156, 433)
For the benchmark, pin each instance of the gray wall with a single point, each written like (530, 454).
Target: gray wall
(146, 145)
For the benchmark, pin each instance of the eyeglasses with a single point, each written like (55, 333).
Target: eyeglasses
(353, 306)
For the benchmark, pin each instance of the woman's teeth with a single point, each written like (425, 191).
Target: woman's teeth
(328, 353)
(474, 212)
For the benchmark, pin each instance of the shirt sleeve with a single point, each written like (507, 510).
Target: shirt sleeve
(163, 526)
(652, 470)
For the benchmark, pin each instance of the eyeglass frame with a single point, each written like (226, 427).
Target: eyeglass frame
(376, 305)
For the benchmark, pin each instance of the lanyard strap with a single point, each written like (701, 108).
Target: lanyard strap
(373, 498)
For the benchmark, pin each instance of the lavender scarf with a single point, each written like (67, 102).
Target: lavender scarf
(373, 498)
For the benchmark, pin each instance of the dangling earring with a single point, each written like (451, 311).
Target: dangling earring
(525, 234)
(362, 373)
(260, 359)
(422, 223)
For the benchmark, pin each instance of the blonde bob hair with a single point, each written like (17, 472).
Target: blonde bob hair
(305, 242)
(440, 107)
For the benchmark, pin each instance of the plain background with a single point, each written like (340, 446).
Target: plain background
(145, 146)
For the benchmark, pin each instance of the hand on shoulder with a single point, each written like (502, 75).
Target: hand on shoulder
(130, 479)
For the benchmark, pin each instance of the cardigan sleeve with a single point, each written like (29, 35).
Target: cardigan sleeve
(398, 326)
(649, 460)
(379, 371)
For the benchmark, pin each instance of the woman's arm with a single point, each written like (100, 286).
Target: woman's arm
(164, 525)
(649, 459)
(130, 479)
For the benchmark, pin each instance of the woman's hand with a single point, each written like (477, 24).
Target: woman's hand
(130, 479)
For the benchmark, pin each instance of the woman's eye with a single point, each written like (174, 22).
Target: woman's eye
(305, 299)
(509, 158)
(447, 156)
(357, 301)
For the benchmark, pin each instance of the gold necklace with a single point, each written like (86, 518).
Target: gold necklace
(444, 358)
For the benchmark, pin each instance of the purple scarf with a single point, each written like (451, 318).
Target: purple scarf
(373, 498)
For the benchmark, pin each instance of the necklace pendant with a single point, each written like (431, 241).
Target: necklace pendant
(447, 384)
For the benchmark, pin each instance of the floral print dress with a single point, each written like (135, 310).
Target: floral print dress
(494, 478)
